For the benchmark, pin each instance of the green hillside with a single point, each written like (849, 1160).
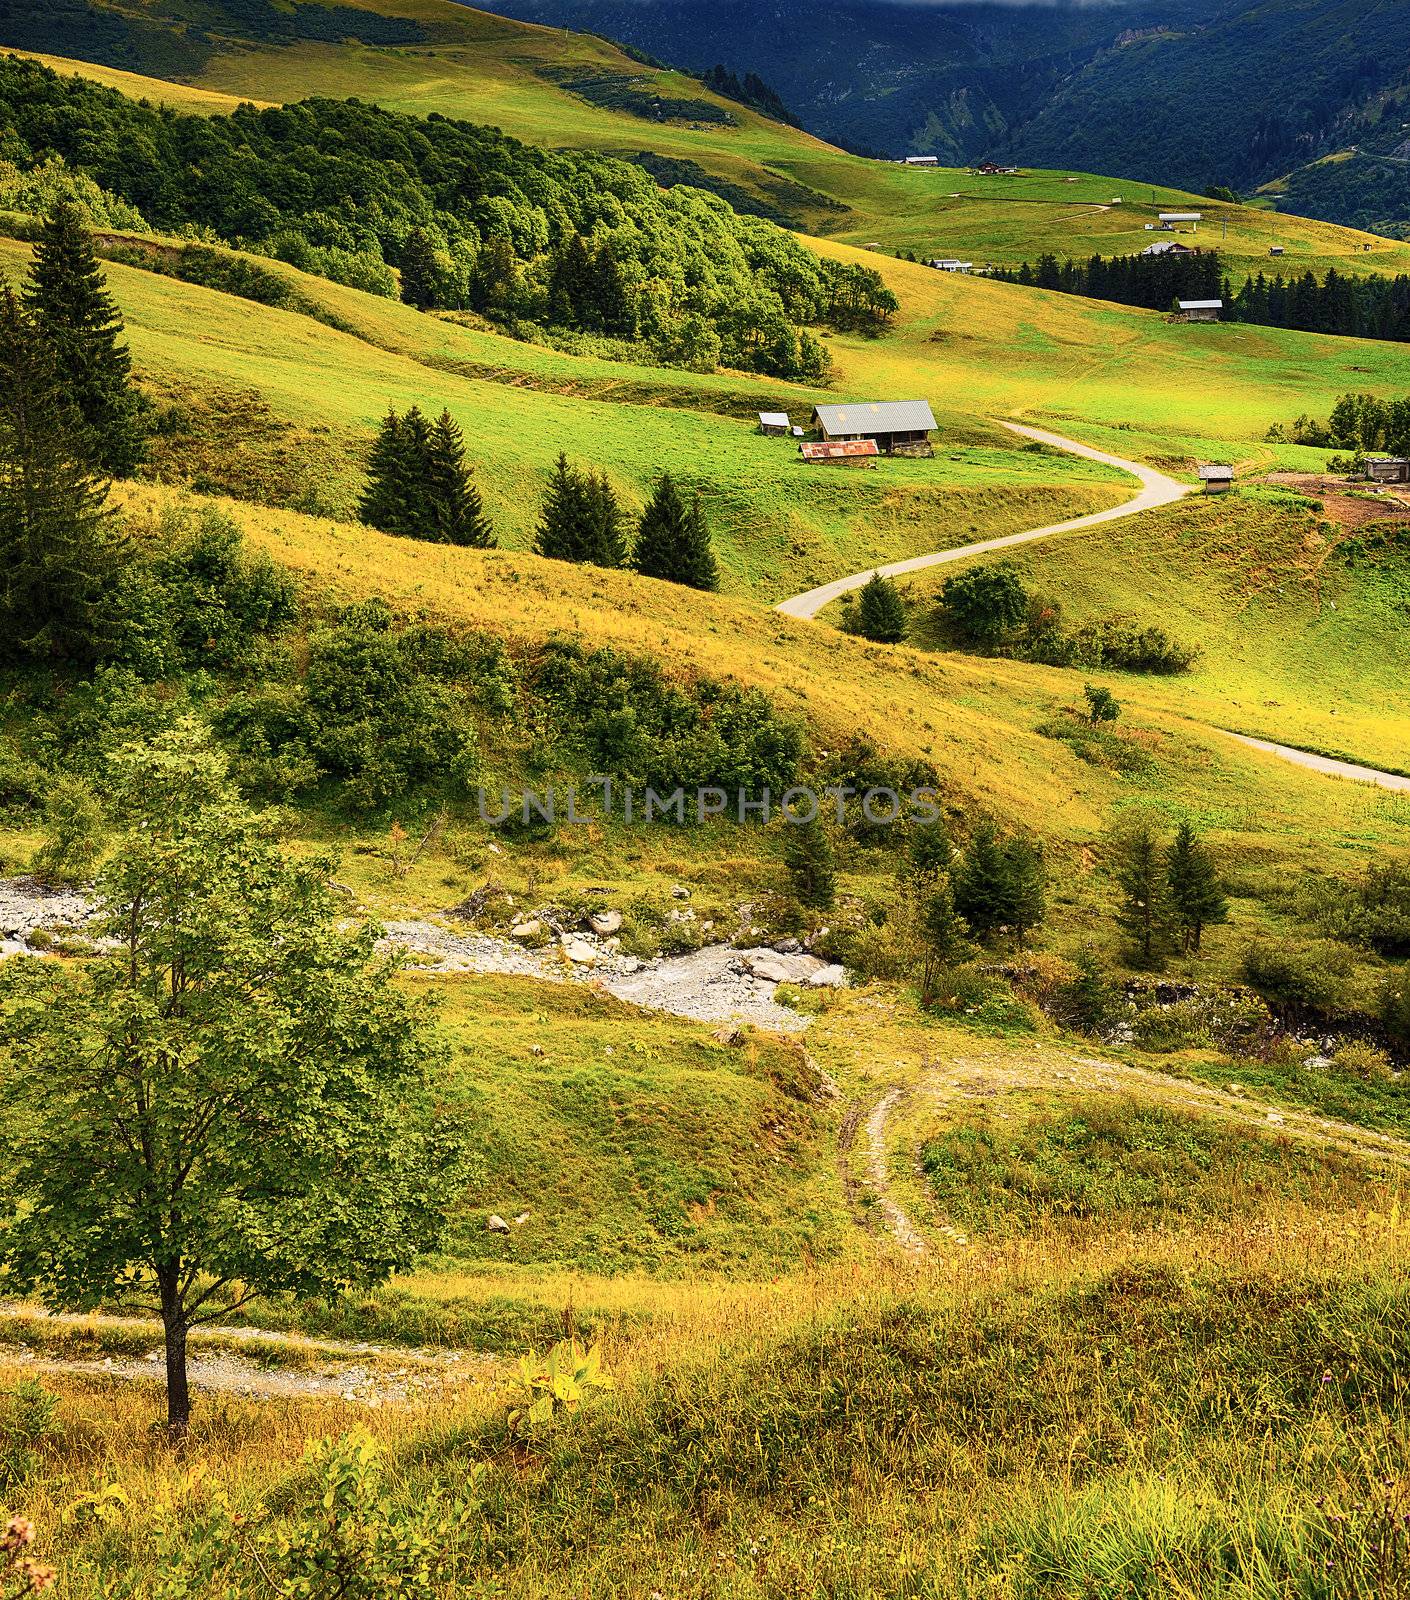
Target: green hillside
(468, 64)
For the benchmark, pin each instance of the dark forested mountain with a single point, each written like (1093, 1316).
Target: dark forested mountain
(1188, 92)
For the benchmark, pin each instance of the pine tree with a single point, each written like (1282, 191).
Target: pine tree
(456, 511)
(1087, 1001)
(1197, 900)
(420, 271)
(67, 296)
(59, 554)
(1144, 914)
(808, 855)
(984, 887)
(672, 540)
(881, 612)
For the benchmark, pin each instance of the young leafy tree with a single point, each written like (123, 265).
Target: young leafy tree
(1138, 865)
(59, 551)
(672, 540)
(1197, 900)
(808, 855)
(233, 1099)
(67, 296)
(455, 511)
(420, 270)
(1101, 704)
(881, 612)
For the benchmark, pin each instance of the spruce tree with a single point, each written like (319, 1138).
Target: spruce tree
(1028, 901)
(388, 499)
(944, 936)
(672, 540)
(608, 538)
(1144, 912)
(420, 271)
(67, 296)
(1196, 897)
(59, 553)
(984, 887)
(456, 511)
(881, 613)
(565, 529)
(808, 855)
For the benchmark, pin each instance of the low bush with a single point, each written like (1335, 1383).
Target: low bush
(1298, 979)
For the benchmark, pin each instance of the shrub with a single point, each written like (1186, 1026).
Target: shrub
(985, 605)
(1297, 978)
(1183, 1025)
(1364, 1061)
(73, 821)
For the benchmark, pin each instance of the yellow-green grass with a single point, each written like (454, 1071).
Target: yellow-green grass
(182, 97)
(779, 525)
(1298, 643)
(1043, 1421)
(490, 69)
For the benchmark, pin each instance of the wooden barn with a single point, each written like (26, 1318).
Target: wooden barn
(1200, 310)
(899, 427)
(775, 424)
(1216, 479)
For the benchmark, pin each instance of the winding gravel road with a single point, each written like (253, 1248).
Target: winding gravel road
(1326, 764)
(1156, 490)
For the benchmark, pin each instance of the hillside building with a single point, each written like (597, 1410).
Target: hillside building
(774, 423)
(1217, 479)
(1167, 247)
(1388, 469)
(1174, 219)
(1199, 310)
(950, 264)
(898, 427)
(842, 452)
(922, 161)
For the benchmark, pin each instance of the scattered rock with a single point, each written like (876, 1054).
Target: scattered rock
(775, 968)
(679, 892)
(604, 923)
(521, 1219)
(580, 952)
(832, 977)
(494, 1223)
(526, 930)
(788, 947)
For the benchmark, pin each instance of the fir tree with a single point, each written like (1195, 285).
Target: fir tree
(456, 511)
(420, 271)
(59, 554)
(1087, 1001)
(1144, 913)
(388, 498)
(1196, 897)
(672, 540)
(881, 612)
(67, 296)
(808, 855)
(929, 855)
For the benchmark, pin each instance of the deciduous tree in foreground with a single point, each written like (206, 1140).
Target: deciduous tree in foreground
(233, 1099)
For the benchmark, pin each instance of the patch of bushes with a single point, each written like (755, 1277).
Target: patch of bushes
(1299, 980)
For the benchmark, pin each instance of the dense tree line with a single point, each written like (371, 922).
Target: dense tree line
(1371, 307)
(751, 91)
(474, 220)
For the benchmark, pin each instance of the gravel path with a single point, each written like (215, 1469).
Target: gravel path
(1326, 764)
(1156, 490)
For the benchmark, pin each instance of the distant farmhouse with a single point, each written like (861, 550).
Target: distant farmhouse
(922, 161)
(898, 427)
(1199, 310)
(1168, 247)
(950, 264)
